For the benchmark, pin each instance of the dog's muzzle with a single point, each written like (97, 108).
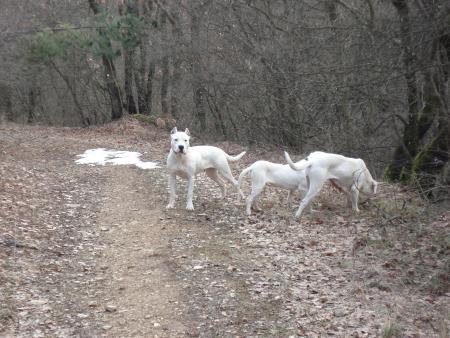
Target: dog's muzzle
(181, 150)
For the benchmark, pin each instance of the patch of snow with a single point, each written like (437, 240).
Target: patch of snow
(101, 156)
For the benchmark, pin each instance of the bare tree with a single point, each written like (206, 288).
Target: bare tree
(110, 75)
(198, 84)
(362, 78)
(426, 74)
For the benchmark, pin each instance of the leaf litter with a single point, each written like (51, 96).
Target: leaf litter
(91, 251)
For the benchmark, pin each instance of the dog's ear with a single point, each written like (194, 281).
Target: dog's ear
(187, 132)
(174, 130)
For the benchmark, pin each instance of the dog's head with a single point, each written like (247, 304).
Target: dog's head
(370, 187)
(179, 140)
(367, 184)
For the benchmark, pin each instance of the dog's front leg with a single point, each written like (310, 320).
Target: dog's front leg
(172, 191)
(190, 193)
(349, 197)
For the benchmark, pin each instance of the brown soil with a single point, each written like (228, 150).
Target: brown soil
(90, 251)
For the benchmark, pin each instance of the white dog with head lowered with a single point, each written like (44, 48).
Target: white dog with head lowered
(280, 175)
(186, 161)
(349, 174)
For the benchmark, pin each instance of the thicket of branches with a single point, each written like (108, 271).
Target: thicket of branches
(365, 78)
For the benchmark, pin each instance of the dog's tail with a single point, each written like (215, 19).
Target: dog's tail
(296, 166)
(234, 158)
(243, 173)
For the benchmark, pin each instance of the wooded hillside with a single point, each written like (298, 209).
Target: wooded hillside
(367, 79)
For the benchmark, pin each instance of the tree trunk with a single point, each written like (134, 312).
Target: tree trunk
(176, 86)
(31, 104)
(219, 124)
(165, 86)
(128, 58)
(199, 89)
(85, 120)
(432, 157)
(140, 79)
(331, 9)
(176, 63)
(424, 151)
(165, 105)
(130, 105)
(109, 69)
(149, 90)
(285, 116)
(400, 168)
(6, 111)
(144, 77)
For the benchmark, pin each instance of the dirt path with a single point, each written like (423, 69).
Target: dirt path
(143, 292)
(91, 252)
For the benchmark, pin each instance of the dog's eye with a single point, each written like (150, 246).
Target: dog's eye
(185, 140)
(176, 140)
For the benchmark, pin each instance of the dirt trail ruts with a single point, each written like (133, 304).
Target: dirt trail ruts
(142, 293)
(81, 248)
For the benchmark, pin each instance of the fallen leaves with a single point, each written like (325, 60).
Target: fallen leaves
(266, 275)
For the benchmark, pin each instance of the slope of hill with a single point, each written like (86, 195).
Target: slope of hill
(91, 251)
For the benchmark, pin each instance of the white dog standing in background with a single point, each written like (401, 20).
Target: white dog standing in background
(349, 174)
(280, 175)
(186, 162)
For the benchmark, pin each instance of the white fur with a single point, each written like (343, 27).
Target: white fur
(280, 175)
(186, 162)
(349, 174)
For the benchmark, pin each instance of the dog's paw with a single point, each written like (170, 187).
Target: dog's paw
(190, 207)
(170, 206)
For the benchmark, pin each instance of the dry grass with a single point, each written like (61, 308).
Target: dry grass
(391, 330)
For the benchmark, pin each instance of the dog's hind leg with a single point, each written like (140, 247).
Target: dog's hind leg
(212, 174)
(256, 190)
(302, 195)
(288, 198)
(315, 182)
(225, 171)
(308, 199)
